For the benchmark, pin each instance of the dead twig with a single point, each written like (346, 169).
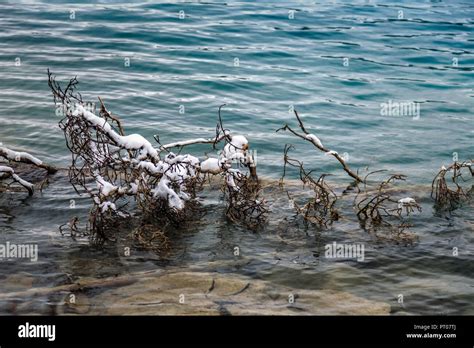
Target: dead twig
(321, 208)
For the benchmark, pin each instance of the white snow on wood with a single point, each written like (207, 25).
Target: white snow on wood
(179, 168)
(186, 142)
(9, 172)
(315, 140)
(19, 156)
(237, 144)
(407, 201)
(106, 206)
(136, 142)
(229, 179)
(192, 141)
(150, 167)
(133, 188)
(212, 166)
(105, 187)
(163, 191)
(6, 170)
(172, 171)
(129, 142)
(231, 176)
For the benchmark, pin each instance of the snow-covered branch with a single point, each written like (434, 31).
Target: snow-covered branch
(312, 138)
(6, 172)
(183, 143)
(108, 166)
(19, 156)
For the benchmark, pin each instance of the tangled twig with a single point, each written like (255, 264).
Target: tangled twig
(111, 167)
(443, 194)
(377, 210)
(321, 208)
(244, 204)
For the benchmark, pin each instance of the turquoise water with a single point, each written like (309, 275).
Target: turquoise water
(336, 62)
(282, 62)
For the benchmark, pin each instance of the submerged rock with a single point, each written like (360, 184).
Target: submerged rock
(16, 282)
(204, 293)
(179, 292)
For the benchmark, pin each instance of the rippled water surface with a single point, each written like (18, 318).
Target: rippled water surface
(336, 62)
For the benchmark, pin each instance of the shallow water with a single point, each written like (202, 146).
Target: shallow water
(282, 62)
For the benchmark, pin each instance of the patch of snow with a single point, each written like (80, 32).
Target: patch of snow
(163, 191)
(211, 165)
(106, 206)
(407, 201)
(105, 187)
(237, 144)
(129, 142)
(138, 142)
(150, 167)
(314, 139)
(18, 156)
(230, 177)
(133, 188)
(10, 172)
